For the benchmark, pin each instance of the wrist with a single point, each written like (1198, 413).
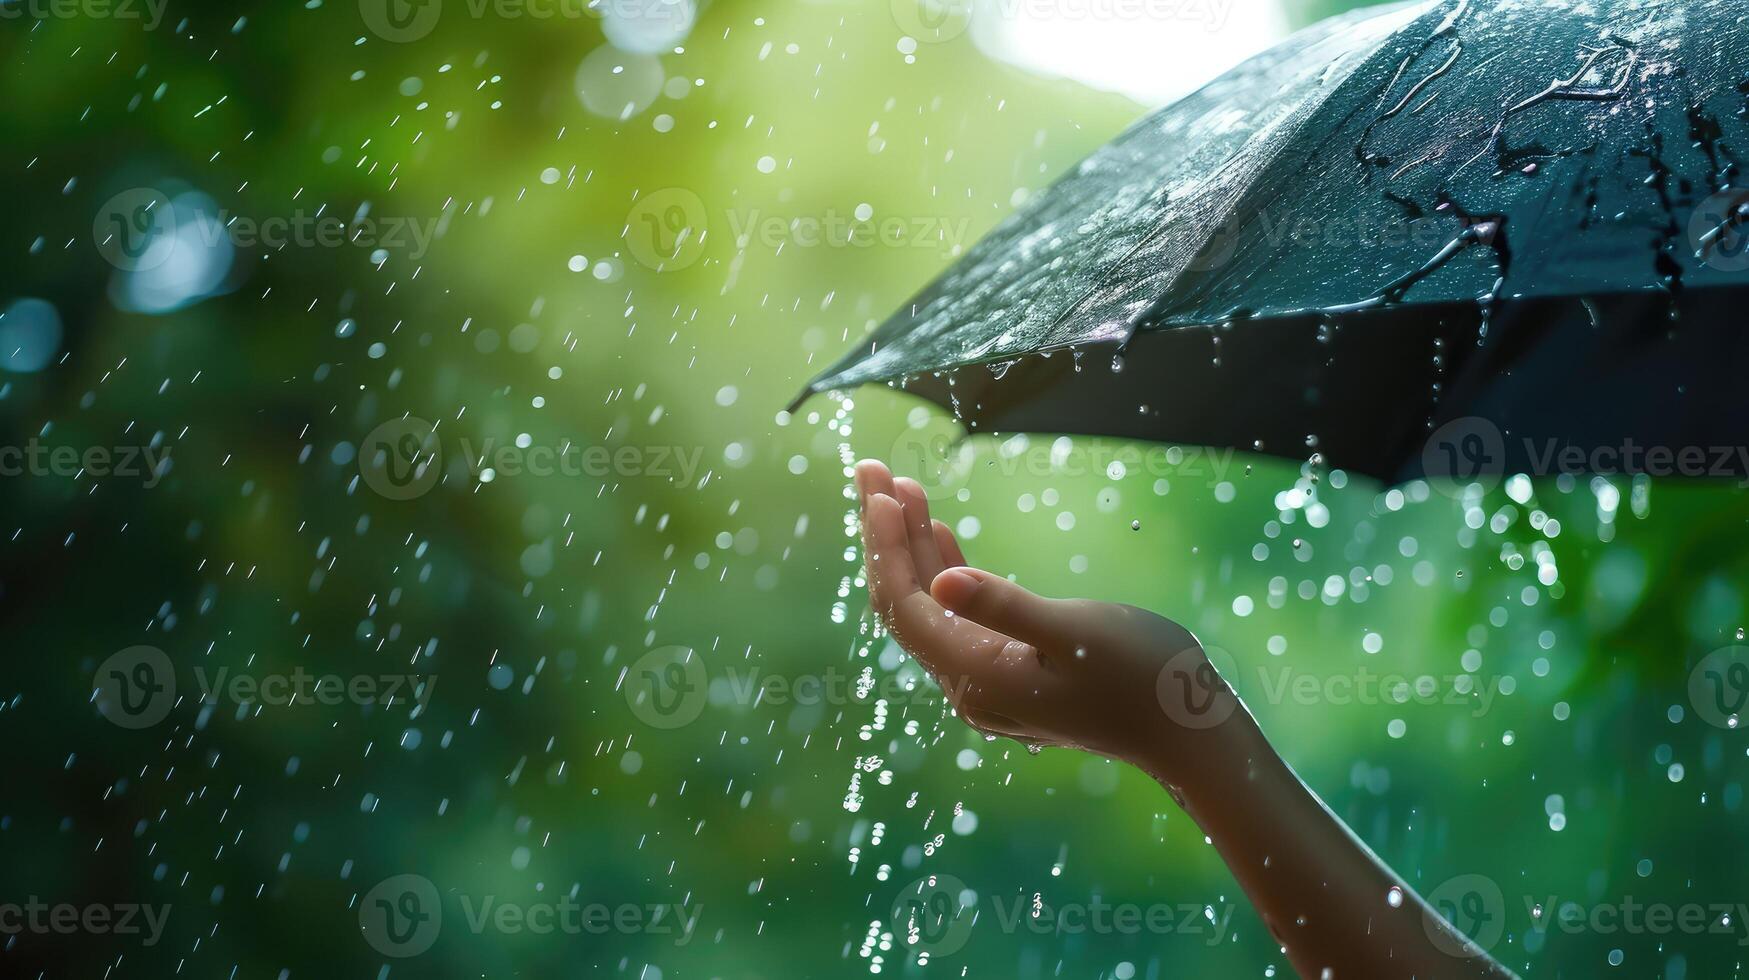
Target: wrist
(1202, 764)
(1200, 739)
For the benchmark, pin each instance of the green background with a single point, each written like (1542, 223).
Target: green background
(262, 550)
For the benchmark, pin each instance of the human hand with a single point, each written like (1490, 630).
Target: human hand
(1092, 675)
(1125, 683)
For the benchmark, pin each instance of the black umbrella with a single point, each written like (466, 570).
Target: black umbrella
(1515, 224)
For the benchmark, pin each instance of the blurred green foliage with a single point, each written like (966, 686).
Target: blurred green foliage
(529, 597)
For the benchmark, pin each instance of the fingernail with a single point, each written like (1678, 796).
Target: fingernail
(953, 588)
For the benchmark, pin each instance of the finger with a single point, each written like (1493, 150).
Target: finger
(992, 601)
(993, 723)
(951, 555)
(995, 682)
(971, 662)
(892, 574)
(872, 477)
(919, 529)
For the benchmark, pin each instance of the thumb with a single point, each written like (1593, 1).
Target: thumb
(995, 603)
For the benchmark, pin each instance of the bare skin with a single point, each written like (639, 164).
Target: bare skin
(1133, 686)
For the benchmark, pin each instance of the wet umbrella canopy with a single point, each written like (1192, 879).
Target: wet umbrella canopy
(1513, 224)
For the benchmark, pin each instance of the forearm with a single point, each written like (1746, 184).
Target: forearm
(1326, 898)
(1129, 684)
